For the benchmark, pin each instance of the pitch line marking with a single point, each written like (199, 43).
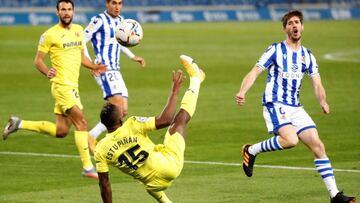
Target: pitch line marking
(349, 56)
(186, 161)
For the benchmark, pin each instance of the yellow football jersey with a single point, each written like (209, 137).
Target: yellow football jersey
(127, 148)
(64, 47)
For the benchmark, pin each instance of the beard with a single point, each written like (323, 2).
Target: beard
(295, 39)
(66, 22)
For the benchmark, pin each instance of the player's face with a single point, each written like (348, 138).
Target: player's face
(294, 28)
(65, 13)
(114, 7)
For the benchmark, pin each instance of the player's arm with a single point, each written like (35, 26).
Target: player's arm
(168, 113)
(132, 56)
(247, 83)
(42, 67)
(86, 51)
(93, 27)
(320, 93)
(97, 68)
(88, 33)
(105, 187)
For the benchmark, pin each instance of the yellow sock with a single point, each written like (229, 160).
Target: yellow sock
(188, 103)
(81, 141)
(160, 196)
(39, 126)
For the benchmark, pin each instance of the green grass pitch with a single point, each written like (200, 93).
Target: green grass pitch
(226, 51)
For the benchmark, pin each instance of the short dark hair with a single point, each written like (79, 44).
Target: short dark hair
(66, 1)
(110, 115)
(291, 14)
(108, 1)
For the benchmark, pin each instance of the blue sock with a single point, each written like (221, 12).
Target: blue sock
(268, 145)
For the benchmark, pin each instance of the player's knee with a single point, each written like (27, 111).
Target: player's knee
(319, 149)
(182, 118)
(81, 125)
(61, 133)
(290, 141)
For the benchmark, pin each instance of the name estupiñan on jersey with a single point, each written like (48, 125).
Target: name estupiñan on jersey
(118, 144)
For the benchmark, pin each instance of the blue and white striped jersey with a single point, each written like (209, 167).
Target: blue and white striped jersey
(286, 68)
(101, 32)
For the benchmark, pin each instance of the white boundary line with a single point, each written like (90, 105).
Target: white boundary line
(189, 162)
(343, 56)
(268, 166)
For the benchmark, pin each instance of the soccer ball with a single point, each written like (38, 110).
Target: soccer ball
(129, 33)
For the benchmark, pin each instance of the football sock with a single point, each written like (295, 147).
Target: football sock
(81, 141)
(97, 130)
(268, 145)
(160, 196)
(194, 84)
(39, 126)
(323, 166)
(188, 103)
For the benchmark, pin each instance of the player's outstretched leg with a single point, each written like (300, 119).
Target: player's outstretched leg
(188, 103)
(15, 123)
(341, 198)
(249, 152)
(11, 127)
(192, 68)
(175, 136)
(248, 160)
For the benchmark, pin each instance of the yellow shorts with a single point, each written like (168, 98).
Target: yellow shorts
(65, 98)
(168, 158)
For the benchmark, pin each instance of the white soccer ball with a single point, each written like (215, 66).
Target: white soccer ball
(129, 33)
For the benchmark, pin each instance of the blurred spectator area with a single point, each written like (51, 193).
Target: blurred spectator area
(100, 4)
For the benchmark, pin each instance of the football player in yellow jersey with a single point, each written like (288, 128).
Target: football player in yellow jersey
(64, 43)
(128, 147)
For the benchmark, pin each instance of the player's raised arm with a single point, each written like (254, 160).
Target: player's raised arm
(167, 115)
(247, 83)
(42, 67)
(105, 187)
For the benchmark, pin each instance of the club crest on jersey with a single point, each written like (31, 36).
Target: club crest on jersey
(142, 119)
(95, 20)
(77, 34)
(282, 112)
(294, 67)
(42, 39)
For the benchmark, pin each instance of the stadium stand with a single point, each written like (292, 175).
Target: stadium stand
(142, 3)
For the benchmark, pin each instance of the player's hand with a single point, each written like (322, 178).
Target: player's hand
(51, 73)
(325, 107)
(99, 68)
(178, 80)
(240, 98)
(140, 60)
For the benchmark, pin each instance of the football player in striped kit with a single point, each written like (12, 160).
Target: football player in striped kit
(101, 33)
(287, 62)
